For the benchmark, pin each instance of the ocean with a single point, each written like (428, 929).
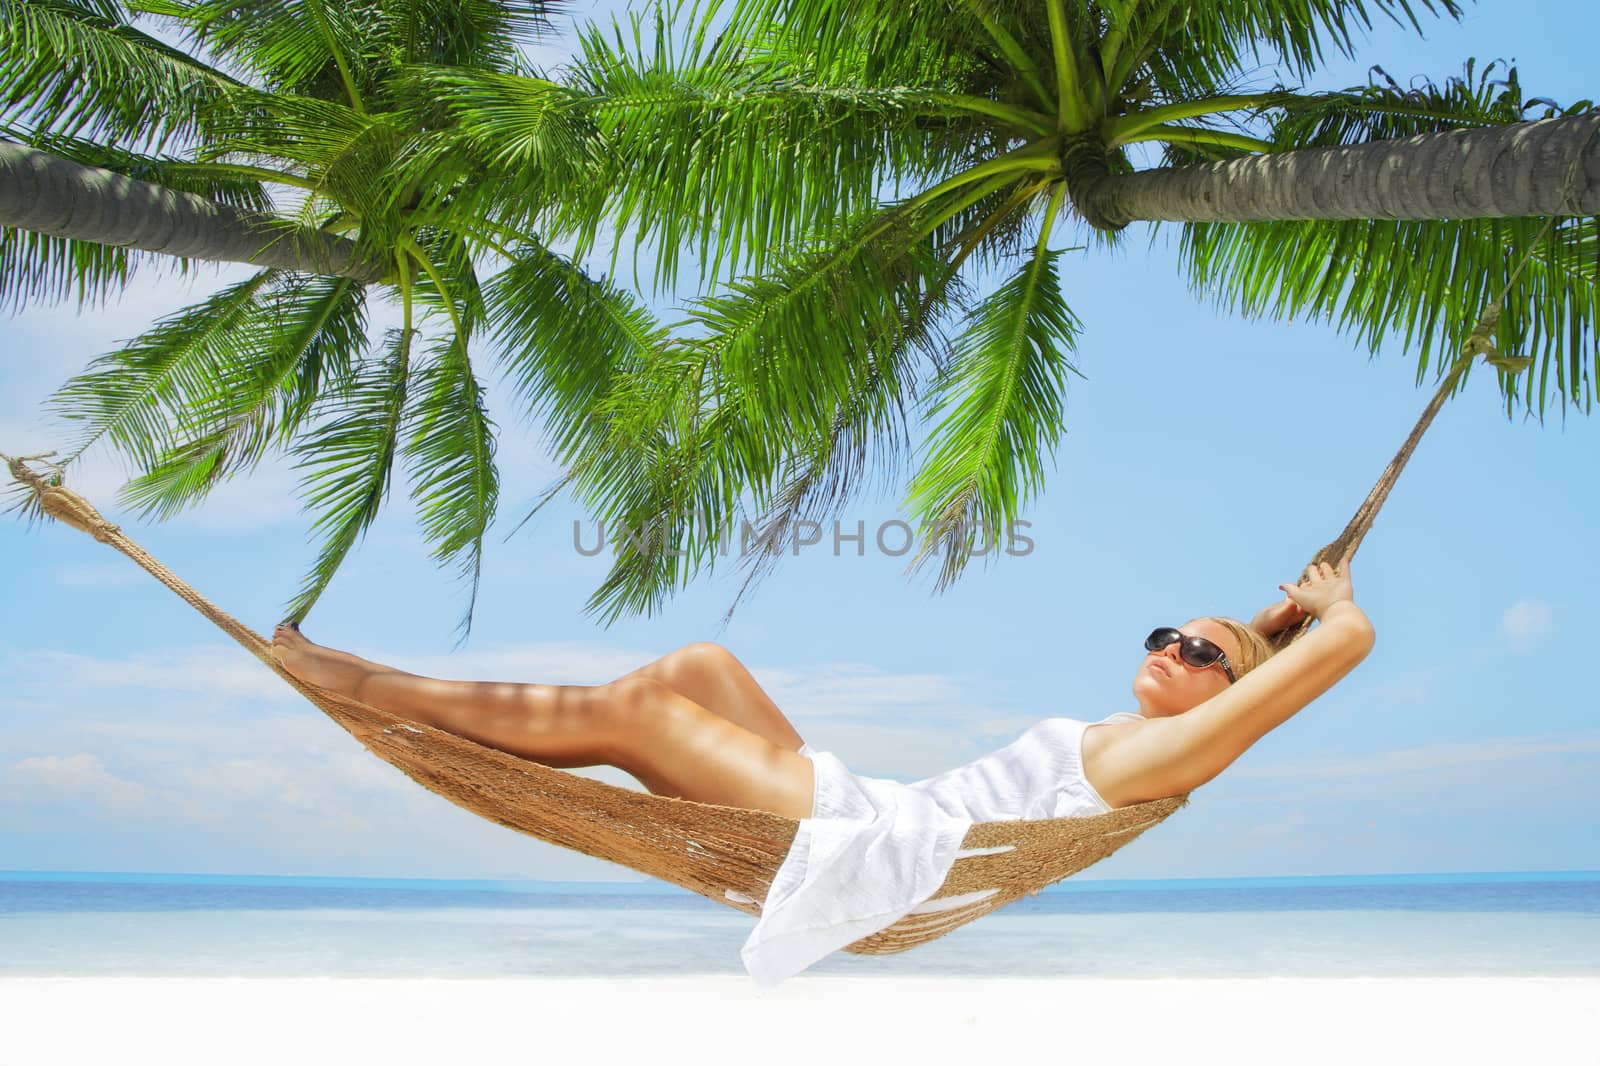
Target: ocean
(80, 924)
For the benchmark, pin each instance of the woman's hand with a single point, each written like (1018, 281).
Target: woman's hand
(1324, 585)
(1270, 621)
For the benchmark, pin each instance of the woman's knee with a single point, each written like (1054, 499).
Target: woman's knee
(637, 711)
(702, 659)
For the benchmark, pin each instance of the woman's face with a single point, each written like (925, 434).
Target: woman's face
(1166, 685)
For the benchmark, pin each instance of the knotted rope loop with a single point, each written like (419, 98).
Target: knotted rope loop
(60, 502)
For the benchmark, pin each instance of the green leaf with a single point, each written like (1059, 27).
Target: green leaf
(139, 398)
(788, 345)
(733, 150)
(1000, 407)
(35, 268)
(566, 340)
(308, 340)
(826, 469)
(71, 67)
(348, 461)
(288, 45)
(450, 460)
(1174, 51)
(1384, 110)
(1424, 284)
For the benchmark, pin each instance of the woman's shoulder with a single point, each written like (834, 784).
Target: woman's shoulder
(1112, 778)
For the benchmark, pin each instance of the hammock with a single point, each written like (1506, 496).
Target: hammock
(726, 854)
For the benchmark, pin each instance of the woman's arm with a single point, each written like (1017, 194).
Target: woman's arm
(1175, 755)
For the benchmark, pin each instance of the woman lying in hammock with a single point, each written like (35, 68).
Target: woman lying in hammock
(695, 724)
(867, 851)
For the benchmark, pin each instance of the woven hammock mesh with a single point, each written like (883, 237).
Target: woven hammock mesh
(726, 854)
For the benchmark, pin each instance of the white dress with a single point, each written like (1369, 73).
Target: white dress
(874, 848)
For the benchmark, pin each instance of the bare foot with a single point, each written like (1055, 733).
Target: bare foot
(326, 668)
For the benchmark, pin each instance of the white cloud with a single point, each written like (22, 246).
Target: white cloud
(854, 690)
(218, 673)
(196, 731)
(248, 789)
(1526, 622)
(331, 800)
(80, 778)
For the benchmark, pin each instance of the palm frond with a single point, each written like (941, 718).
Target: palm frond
(510, 146)
(915, 42)
(1173, 50)
(307, 341)
(1383, 109)
(788, 346)
(662, 506)
(516, 122)
(738, 411)
(138, 398)
(997, 227)
(448, 287)
(566, 340)
(826, 471)
(731, 154)
(76, 67)
(35, 268)
(1000, 408)
(1424, 283)
(303, 46)
(466, 33)
(344, 150)
(348, 461)
(449, 455)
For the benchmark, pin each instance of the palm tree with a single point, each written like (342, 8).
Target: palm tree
(305, 136)
(770, 152)
(845, 164)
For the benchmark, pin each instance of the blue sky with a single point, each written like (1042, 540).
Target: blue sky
(134, 738)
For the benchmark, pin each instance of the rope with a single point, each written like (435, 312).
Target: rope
(1355, 531)
(62, 504)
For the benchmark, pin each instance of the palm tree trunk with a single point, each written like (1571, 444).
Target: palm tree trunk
(47, 194)
(1549, 167)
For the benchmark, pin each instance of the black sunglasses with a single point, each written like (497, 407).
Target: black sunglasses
(1198, 652)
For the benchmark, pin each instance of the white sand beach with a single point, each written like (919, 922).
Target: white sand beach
(245, 1021)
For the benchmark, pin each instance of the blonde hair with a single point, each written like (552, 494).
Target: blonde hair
(1253, 647)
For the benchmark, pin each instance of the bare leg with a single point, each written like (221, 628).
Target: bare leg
(713, 677)
(670, 743)
(557, 725)
(676, 747)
